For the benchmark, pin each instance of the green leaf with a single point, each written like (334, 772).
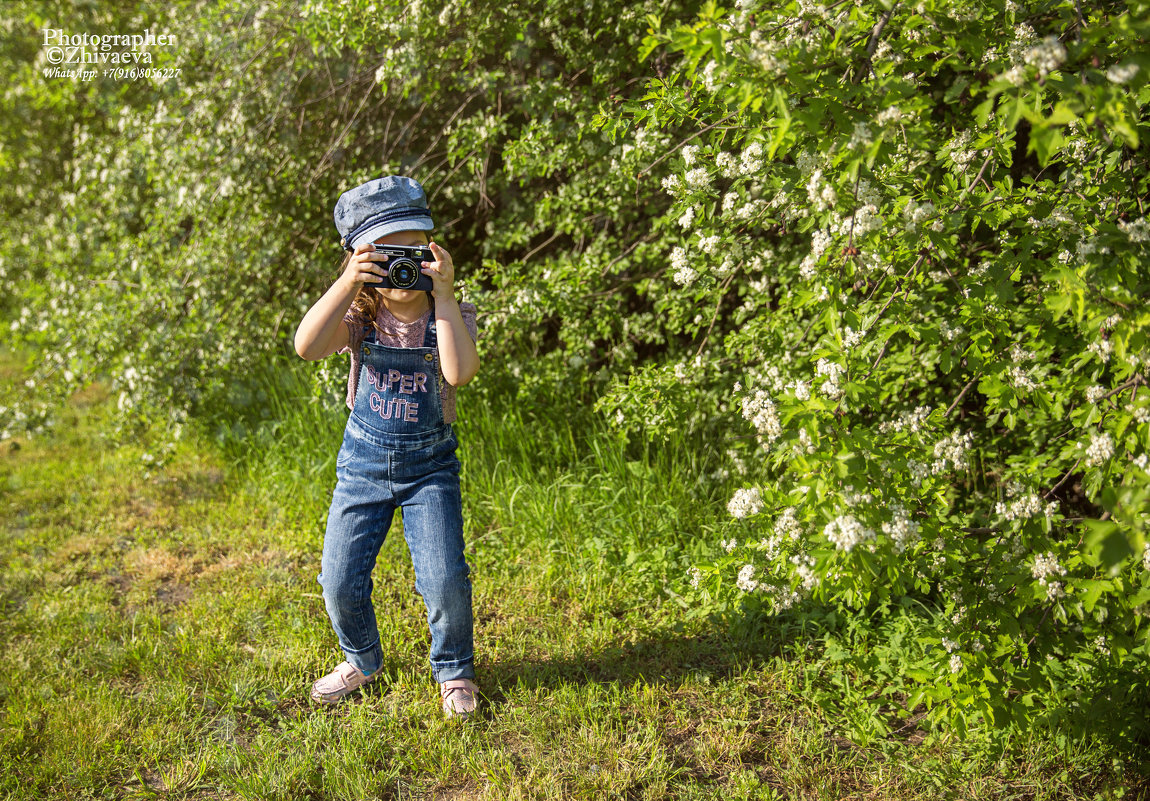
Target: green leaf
(1105, 544)
(1091, 590)
(1045, 143)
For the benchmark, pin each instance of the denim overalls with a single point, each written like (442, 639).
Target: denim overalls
(398, 452)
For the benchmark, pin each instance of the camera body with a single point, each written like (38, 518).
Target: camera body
(404, 268)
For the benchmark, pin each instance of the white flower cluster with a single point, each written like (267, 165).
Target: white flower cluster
(851, 337)
(806, 162)
(687, 217)
(906, 421)
(1137, 231)
(903, 531)
(788, 525)
(805, 443)
(783, 597)
(728, 165)
(709, 244)
(1024, 39)
(769, 546)
(760, 410)
(805, 568)
(1102, 349)
(949, 332)
(820, 240)
(1100, 449)
(861, 137)
(961, 152)
(951, 451)
(919, 471)
(889, 116)
(846, 532)
(864, 220)
(1146, 556)
(698, 179)
(1022, 504)
(1121, 73)
(1095, 393)
(917, 213)
(801, 389)
(744, 503)
(822, 195)
(884, 52)
(955, 663)
(685, 274)
(746, 580)
(807, 266)
(696, 574)
(729, 545)
(851, 497)
(766, 53)
(1018, 376)
(1046, 565)
(1059, 218)
(1016, 550)
(751, 160)
(833, 371)
(1046, 56)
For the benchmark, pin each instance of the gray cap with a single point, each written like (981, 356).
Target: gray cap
(379, 207)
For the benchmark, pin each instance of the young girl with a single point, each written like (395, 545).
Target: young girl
(409, 350)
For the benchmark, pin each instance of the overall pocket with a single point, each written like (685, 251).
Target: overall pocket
(442, 454)
(346, 451)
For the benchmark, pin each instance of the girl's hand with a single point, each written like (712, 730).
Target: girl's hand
(442, 273)
(365, 267)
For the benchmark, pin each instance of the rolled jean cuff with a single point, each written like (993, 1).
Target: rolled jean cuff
(446, 671)
(366, 660)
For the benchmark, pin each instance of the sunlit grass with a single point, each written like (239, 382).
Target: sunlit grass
(162, 625)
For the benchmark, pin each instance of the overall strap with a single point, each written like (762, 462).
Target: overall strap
(429, 340)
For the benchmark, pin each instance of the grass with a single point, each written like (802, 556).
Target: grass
(162, 625)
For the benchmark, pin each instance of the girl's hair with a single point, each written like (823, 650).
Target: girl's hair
(365, 305)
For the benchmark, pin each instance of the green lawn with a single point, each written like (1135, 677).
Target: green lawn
(162, 625)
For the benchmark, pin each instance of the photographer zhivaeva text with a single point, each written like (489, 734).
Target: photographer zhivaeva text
(88, 49)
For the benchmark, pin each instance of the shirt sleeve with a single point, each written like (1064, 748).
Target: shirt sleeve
(354, 335)
(468, 312)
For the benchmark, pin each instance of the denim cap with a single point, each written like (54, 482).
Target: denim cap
(379, 207)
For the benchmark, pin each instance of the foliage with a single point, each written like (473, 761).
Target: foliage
(923, 226)
(202, 204)
(888, 259)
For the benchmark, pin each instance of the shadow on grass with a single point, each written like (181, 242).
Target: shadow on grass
(667, 655)
(1112, 709)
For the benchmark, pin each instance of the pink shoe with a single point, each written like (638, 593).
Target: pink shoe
(341, 681)
(459, 697)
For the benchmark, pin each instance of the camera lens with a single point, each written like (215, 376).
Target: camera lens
(402, 273)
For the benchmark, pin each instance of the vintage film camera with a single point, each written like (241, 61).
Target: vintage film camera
(403, 267)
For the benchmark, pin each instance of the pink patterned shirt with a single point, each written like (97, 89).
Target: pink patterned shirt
(399, 334)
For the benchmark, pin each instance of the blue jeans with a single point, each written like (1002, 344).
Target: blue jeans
(420, 474)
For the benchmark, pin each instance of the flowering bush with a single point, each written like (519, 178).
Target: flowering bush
(922, 230)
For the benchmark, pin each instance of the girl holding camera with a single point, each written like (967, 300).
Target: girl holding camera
(411, 345)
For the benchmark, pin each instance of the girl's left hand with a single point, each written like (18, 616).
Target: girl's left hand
(442, 273)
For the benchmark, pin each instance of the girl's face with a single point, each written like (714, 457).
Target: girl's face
(407, 239)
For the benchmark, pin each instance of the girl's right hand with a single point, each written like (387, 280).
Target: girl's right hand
(365, 267)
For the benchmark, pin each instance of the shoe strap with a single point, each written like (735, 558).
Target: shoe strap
(449, 687)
